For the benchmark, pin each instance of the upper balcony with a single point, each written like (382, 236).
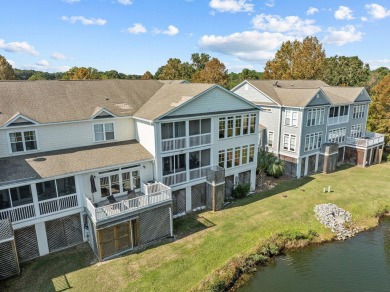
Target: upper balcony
(152, 195)
(185, 134)
(366, 140)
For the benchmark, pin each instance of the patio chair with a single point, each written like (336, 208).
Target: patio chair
(111, 199)
(131, 194)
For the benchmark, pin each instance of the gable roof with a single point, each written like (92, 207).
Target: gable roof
(50, 101)
(343, 95)
(169, 97)
(300, 92)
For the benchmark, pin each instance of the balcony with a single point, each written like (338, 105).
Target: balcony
(368, 139)
(38, 209)
(155, 194)
(337, 120)
(185, 142)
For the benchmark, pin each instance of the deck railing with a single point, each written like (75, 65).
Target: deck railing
(368, 139)
(184, 142)
(58, 204)
(19, 213)
(127, 206)
(30, 211)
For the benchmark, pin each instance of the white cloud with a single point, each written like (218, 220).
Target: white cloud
(364, 19)
(125, 2)
(137, 28)
(238, 68)
(377, 11)
(250, 46)
(294, 24)
(231, 6)
(270, 3)
(374, 64)
(42, 62)
(84, 20)
(71, 1)
(172, 30)
(343, 12)
(18, 47)
(312, 10)
(58, 56)
(345, 35)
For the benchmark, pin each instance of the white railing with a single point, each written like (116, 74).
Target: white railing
(199, 172)
(198, 140)
(175, 178)
(127, 206)
(58, 204)
(367, 139)
(338, 120)
(173, 144)
(19, 213)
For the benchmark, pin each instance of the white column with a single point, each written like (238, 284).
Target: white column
(253, 179)
(43, 246)
(188, 200)
(79, 180)
(35, 199)
(316, 166)
(370, 161)
(306, 165)
(299, 167)
(85, 237)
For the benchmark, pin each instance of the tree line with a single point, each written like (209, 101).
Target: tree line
(304, 59)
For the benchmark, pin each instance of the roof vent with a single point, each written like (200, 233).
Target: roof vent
(39, 159)
(107, 98)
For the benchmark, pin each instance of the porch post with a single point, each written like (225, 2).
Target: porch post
(35, 199)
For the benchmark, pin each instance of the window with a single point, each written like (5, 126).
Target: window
(337, 135)
(313, 141)
(229, 158)
(291, 118)
(199, 158)
(237, 156)
(23, 141)
(56, 188)
(253, 123)
(245, 125)
(251, 153)
(315, 117)
(174, 164)
(230, 126)
(358, 111)
(221, 160)
(15, 197)
(238, 125)
(338, 114)
(197, 127)
(357, 131)
(222, 128)
(289, 142)
(244, 157)
(104, 132)
(270, 140)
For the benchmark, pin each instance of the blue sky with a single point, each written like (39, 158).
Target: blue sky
(133, 36)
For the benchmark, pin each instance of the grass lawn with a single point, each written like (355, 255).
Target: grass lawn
(208, 240)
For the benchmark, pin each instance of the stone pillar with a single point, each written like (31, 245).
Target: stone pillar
(215, 184)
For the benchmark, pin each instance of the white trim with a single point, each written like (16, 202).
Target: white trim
(105, 111)
(19, 115)
(104, 131)
(24, 152)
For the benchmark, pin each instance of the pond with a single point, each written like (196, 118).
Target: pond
(358, 264)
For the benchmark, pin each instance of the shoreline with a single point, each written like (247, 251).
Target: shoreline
(240, 269)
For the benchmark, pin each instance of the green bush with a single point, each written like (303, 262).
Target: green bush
(241, 190)
(386, 156)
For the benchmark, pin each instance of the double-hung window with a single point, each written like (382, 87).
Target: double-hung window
(289, 142)
(23, 141)
(291, 118)
(270, 140)
(104, 132)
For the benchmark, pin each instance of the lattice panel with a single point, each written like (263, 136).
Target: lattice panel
(244, 177)
(115, 239)
(5, 229)
(290, 168)
(229, 185)
(64, 232)
(26, 243)
(154, 224)
(312, 164)
(9, 265)
(220, 196)
(179, 202)
(198, 196)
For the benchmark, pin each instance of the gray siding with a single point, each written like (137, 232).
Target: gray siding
(312, 129)
(294, 130)
(270, 120)
(319, 100)
(252, 94)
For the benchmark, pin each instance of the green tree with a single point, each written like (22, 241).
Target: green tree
(345, 71)
(147, 75)
(379, 113)
(199, 60)
(176, 70)
(247, 74)
(82, 73)
(213, 72)
(6, 70)
(297, 60)
(376, 76)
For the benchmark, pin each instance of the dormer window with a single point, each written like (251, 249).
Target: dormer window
(23, 141)
(104, 132)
